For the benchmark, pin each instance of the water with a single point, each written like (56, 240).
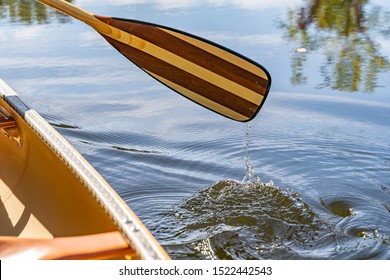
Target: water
(307, 179)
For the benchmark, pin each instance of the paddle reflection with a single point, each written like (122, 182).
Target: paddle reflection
(30, 12)
(349, 32)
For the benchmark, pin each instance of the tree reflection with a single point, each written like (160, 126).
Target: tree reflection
(346, 30)
(29, 11)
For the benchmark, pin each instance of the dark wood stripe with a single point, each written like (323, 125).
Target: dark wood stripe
(185, 79)
(201, 100)
(191, 53)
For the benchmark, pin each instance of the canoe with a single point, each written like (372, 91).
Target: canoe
(54, 204)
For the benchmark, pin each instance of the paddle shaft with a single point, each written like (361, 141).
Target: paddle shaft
(103, 28)
(89, 19)
(71, 10)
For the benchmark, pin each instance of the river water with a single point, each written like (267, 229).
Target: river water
(308, 178)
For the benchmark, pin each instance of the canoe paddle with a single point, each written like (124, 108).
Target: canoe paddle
(204, 72)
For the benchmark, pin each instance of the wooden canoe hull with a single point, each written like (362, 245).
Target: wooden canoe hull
(49, 190)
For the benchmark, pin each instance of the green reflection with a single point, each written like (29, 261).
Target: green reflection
(347, 31)
(29, 11)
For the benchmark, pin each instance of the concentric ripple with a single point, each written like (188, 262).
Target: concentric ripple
(235, 220)
(254, 220)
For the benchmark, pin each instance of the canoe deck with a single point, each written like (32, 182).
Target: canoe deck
(49, 190)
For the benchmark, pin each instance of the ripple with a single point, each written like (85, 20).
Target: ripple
(254, 220)
(245, 221)
(342, 208)
(66, 126)
(358, 228)
(386, 206)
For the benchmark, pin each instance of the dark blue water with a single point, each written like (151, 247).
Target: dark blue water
(307, 179)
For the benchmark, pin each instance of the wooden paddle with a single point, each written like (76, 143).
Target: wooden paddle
(206, 73)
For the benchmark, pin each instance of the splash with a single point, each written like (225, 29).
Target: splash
(236, 220)
(249, 219)
(245, 219)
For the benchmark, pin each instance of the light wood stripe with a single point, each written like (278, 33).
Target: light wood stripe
(188, 66)
(234, 59)
(201, 100)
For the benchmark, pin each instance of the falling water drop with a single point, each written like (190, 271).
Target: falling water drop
(250, 176)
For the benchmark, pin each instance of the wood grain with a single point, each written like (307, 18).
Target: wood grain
(186, 80)
(225, 82)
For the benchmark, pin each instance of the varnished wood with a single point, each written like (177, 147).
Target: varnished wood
(176, 43)
(72, 10)
(186, 80)
(6, 122)
(213, 76)
(108, 245)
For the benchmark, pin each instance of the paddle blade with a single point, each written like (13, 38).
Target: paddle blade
(206, 73)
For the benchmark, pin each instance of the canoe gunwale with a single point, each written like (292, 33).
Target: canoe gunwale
(121, 215)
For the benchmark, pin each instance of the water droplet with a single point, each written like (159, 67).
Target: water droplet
(250, 175)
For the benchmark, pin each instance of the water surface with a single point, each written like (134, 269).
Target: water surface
(307, 179)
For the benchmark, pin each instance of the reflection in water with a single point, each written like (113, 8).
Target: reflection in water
(30, 12)
(346, 30)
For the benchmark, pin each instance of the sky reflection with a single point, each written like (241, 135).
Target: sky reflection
(186, 4)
